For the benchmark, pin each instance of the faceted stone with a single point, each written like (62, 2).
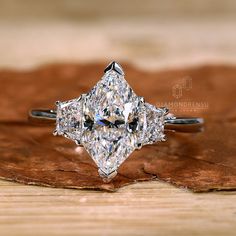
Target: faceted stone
(113, 122)
(69, 116)
(110, 121)
(155, 120)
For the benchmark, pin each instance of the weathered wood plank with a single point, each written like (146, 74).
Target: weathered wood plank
(151, 208)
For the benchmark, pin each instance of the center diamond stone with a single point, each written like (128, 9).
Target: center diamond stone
(111, 121)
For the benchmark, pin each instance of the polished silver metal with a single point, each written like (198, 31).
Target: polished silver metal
(97, 126)
(116, 67)
(172, 123)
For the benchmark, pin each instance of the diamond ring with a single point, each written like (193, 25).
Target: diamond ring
(111, 121)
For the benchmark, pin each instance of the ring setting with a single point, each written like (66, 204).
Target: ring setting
(111, 121)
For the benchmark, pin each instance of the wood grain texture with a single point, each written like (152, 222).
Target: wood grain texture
(152, 33)
(152, 208)
(202, 162)
(150, 40)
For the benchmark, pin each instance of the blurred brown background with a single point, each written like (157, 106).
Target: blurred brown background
(148, 33)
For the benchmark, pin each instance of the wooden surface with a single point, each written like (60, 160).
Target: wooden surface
(202, 162)
(152, 208)
(152, 35)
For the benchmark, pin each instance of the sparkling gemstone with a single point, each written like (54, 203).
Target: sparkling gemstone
(155, 120)
(69, 116)
(113, 122)
(110, 121)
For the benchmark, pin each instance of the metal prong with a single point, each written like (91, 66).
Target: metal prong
(163, 138)
(142, 99)
(115, 67)
(77, 142)
(57, 103)
(107, 177)
(165, 109)
(55, 133)
(81, 96)
(139, 146)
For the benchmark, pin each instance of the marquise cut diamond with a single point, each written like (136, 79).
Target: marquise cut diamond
(111, 121)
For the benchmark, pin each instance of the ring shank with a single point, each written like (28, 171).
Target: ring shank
(42, 116)
(178, 124)
(185, 124)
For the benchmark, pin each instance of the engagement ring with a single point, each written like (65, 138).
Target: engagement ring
(111, 121)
